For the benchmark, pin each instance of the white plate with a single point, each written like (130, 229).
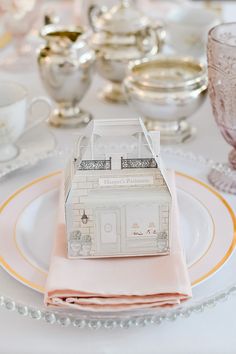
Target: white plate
(202, 259)
(28, 221)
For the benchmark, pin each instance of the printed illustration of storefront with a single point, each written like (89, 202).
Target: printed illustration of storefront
(130, 222)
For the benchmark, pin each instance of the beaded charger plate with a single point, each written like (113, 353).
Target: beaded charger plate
(28, 220)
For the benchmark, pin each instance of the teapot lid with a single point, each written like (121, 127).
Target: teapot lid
(122, 18)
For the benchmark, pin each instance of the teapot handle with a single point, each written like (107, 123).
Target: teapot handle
(152, 32)
(148, 31)
(94, 11)
(160, 30)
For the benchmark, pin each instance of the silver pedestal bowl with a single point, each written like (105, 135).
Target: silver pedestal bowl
(165, 91)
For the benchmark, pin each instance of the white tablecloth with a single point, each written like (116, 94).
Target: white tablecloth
(210, 332)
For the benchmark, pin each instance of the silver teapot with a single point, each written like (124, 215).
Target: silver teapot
(121, 34)
(66, 65)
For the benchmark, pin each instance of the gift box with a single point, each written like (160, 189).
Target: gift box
(117, 198)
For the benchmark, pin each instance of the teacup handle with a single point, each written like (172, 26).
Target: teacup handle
(33, 122)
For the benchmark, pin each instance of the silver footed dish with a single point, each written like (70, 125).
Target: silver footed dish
(165, 91)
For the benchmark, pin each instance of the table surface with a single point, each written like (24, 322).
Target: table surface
(210, 332)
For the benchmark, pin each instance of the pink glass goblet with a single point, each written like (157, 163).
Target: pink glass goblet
(222, 90)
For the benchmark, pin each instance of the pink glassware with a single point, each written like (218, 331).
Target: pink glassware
(18, 18)
(222, 91)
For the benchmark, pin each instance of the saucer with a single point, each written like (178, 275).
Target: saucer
(31, 146)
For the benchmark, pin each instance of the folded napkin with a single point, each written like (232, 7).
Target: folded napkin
(117, 284)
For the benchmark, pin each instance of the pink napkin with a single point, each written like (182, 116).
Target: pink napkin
(120, 283)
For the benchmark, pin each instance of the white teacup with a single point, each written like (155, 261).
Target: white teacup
(14, 110)
(187, 29)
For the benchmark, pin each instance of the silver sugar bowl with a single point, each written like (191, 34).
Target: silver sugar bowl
(121, 34)
(66, 66)
(165, 91)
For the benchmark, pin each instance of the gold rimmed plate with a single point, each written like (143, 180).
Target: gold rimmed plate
(28, 222)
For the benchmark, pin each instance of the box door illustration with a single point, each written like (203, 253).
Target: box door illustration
(108, 229)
